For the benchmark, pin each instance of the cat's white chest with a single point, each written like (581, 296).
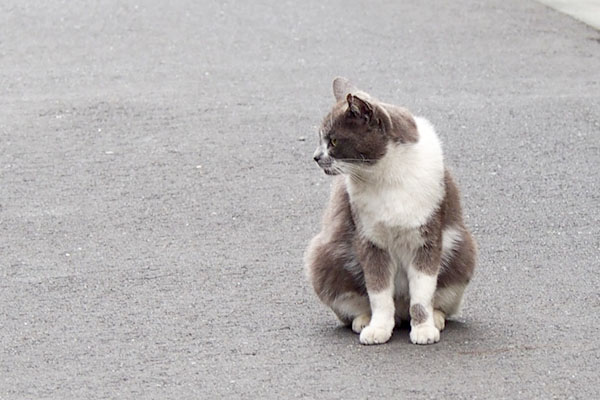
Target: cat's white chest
(388, 218)
(400, 192)
(383, 220)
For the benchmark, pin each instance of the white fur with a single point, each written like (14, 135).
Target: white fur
(449, 299)
(360, 322)
(424, 334)
(401, 191)
(451, 236)
(393, 199)
(322, 149)
(439, 319)
(398, 195)
(382, 322)
(351, 305)
(422, 289)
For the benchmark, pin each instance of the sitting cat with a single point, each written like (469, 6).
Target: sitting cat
(393, 244)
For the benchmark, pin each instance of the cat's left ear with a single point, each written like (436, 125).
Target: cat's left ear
(360, 108)
(342, 87)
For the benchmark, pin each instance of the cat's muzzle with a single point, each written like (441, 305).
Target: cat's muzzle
(325, 162)
(327, 167)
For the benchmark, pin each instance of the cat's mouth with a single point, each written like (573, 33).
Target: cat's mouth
(331, 171)
(328, 168)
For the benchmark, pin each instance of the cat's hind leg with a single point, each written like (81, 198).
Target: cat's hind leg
(360, 322)
(353, 310)
(447, 302)
(337, 278)
(439, 319)
(458, 264)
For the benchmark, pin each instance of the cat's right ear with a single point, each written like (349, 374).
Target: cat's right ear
(342, 87)
(360, 108)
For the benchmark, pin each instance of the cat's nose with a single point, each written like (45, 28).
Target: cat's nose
(318, 154)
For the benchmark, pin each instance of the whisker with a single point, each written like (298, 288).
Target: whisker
(357, 159)
(354, 171)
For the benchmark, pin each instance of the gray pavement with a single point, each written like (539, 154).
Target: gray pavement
(157, 193)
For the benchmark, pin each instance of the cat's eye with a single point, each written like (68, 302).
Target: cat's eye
(333, 142)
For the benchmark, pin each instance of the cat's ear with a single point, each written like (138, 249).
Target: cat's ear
(360, 108)
(342, 87)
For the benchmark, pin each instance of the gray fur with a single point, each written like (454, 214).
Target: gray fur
(340, 262)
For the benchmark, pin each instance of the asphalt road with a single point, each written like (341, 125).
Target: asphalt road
(157, 193)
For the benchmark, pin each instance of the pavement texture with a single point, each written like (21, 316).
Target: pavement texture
(157, 193)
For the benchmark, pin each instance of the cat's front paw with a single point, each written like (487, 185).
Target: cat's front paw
(359, 323)
(424, 334)
(375, 335)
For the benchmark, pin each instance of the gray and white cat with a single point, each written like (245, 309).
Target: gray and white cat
(393, 244)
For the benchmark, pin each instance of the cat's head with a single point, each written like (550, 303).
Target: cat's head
(358, 130)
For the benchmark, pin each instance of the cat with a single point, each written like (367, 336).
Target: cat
(393, 245)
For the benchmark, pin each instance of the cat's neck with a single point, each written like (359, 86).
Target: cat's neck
(412, 165)
(405, 187)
